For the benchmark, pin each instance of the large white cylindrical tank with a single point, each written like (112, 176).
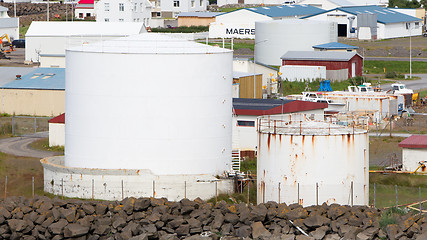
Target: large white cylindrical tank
(310, 162)
(273, 38)
(149, 102)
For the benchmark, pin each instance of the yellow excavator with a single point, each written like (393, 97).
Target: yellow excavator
(2, 44)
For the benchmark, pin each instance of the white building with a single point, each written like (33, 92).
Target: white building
(389, 23)
(414, 152)
(171, 8)
(246, 111)
(84, 9)
(57, 131)
(241, 23)
(8, 25)
(46, 41)
(123, 11)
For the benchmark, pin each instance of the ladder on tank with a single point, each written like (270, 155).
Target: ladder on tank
(235, 161)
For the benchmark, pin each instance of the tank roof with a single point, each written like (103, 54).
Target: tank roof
(307, 128)
(149, 43)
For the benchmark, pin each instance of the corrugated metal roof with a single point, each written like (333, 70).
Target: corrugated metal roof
(41, 78)
(8, 74)
(9, 23)
(384, 15)
(199, 14)
(243, 74)
(318, 55)
(56, 28)
(414, 141)
(284, 10)
(259, 107)
(58, 119)
(334, 45)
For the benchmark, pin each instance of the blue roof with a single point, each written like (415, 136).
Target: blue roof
(41, 78)
(384, 15)
(285, 10)
(334, 45)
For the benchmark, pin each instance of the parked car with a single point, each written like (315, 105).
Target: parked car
(19, 43)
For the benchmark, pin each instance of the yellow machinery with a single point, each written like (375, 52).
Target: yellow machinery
(5, 36)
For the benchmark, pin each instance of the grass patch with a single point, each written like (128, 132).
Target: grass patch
(390, 217)
(248, 166)
(43, 144)
(423, 94)
(400, 67)
(298, 87)
(191, 29)
(23, 30)
(228, 9)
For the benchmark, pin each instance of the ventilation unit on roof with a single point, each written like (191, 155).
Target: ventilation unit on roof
(50, 74)
(38, 74)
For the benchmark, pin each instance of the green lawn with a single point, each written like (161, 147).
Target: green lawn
(400, 67)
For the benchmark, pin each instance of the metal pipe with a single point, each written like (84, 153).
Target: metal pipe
(32, 185)
(395, 189)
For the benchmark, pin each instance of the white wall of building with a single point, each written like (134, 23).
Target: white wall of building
(237, 24)
(56, 134)
(303, 73)
(9, 26)
(411, 158)
(123, 11)
(395, 30)
(84, 12)
(177, 6)
(384, 31)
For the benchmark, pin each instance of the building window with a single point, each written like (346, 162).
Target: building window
(193, 3)
(176, 3)
(134, 7)
(87, 14)
(121, 20)
(142, 7)
(121, 7)
(106, 19)
(80, 15)
(107, 7)
(201, 3)
(242, 123)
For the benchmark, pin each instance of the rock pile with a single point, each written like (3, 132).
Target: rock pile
(149, 218)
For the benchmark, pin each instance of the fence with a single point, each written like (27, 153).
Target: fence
(23, 125)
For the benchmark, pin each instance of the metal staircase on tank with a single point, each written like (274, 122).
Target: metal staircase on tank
(235, 161)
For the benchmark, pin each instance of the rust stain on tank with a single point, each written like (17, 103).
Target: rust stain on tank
(81, 176)
(292, 138)
(280, 138)
(303, 140)
(312, 140)
(137, 172)
(71, 177)
(268, 141)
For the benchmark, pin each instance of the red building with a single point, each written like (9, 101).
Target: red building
(339, 65)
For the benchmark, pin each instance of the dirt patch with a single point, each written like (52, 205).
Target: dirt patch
(384, 151)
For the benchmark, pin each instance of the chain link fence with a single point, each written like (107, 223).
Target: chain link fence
(23, 125)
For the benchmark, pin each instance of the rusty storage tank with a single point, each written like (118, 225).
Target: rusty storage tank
(311, 162)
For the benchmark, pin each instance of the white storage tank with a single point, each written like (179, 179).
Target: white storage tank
(310, 162)
(152, 112)
(273, 38)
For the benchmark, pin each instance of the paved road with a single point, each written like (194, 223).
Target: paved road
(396, 59)
(411, 84)
(19, 146)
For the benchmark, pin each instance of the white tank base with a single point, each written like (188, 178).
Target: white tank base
(116, 184)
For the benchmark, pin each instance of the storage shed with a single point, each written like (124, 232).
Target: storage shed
(339, 65)
(45, 42)
(57, 131)
(39, 93)
(8, 25)
(243, 85)
(414, 153)
(241, 23)
(187, 19)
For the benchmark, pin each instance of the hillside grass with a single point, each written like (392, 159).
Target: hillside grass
(400, 67)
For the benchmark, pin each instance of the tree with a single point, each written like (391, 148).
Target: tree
(405, 3)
